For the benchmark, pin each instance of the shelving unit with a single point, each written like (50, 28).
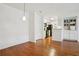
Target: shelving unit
(70, 23)
(70, 30)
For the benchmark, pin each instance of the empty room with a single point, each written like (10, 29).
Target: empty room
(39, 29)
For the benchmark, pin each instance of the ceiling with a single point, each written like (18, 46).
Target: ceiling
(48, 8)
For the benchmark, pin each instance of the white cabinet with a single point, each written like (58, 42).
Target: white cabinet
(66, 34)
(57, 34)
(73, 35)
(70, 35)
(71, 32)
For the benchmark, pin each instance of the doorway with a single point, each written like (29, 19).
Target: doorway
(49, 31)
(50, 24)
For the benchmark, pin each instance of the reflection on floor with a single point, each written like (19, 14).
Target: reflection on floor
(46, 47)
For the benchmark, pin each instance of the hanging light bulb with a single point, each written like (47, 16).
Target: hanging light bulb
(24, 17)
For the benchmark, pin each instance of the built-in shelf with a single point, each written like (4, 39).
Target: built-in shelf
(70, 23)
(70, 30)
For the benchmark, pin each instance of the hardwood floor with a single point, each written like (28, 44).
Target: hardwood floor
(71, 48)
(46, 47)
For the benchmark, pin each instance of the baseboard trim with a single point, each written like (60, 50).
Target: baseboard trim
(71, 40)
(15, 45)
(39, 39)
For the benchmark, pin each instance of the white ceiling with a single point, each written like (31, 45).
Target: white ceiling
(49, 8)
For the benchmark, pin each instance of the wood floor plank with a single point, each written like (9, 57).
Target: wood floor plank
(43, 47)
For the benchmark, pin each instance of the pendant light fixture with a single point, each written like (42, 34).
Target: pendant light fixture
(24, 16)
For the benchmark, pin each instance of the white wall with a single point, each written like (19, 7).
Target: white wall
(78, 28)
(12, 29)
(35, 26)
(38, 26)
(31, 25)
